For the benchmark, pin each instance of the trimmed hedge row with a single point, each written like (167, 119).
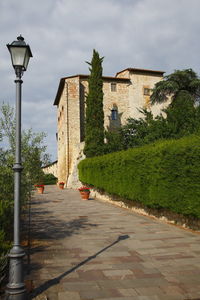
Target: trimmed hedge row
(165, 174)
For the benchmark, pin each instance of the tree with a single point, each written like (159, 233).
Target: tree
(138, 132)
(181, 80)
(33, 156)
(183, 87)
(113, 141)
(182, 116)
(94, 123)
(6, 200)
(33, 151)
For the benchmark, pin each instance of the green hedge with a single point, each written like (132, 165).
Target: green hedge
(50, 179)
(165, 174)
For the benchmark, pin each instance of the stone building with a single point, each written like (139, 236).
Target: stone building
(51, 168)
(124, 94)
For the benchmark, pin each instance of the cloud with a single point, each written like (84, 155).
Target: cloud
(151, 34)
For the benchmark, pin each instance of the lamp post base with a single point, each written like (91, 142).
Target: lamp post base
(16, 296)
(16, 289)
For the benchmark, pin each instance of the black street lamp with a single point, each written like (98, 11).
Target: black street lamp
(20, 54)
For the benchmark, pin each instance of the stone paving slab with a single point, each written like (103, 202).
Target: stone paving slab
(89, 249)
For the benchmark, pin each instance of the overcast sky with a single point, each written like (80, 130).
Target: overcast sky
(150, 34)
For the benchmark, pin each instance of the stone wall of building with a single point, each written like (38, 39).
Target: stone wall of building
(69, 127)
(77, 156)
(141, 83)
(51, 169)
(117, 99)
(73, 123)
(61, 136)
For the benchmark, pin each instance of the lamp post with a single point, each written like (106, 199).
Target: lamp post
(20, 54)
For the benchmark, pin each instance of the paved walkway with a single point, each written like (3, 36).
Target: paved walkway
(88, 249)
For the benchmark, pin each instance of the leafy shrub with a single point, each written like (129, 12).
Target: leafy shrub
(33, 156)
(160, 175)
(6, 199)
(50, 179)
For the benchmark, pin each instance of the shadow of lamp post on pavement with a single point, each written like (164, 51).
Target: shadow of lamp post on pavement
(49, 283)
(20, 54)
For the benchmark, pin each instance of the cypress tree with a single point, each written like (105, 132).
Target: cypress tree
(94, 123)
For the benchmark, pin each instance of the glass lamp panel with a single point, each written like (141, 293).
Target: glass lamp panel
(26, 59)
(17, 55)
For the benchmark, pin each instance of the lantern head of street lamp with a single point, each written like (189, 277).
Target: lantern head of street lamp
(20, 54)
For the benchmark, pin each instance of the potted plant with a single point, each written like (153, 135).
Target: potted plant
(61, 185)
(39, 188)
(39, 182)
(85, 192)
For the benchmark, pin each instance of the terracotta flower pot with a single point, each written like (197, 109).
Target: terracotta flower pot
(61, 186)
(40, 189)
(85, 195)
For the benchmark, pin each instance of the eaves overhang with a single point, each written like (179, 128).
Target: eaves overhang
(84, 77)
(142, 71)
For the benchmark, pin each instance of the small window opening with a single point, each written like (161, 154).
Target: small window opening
(114, 114)
(147, 91)
(113, 87)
